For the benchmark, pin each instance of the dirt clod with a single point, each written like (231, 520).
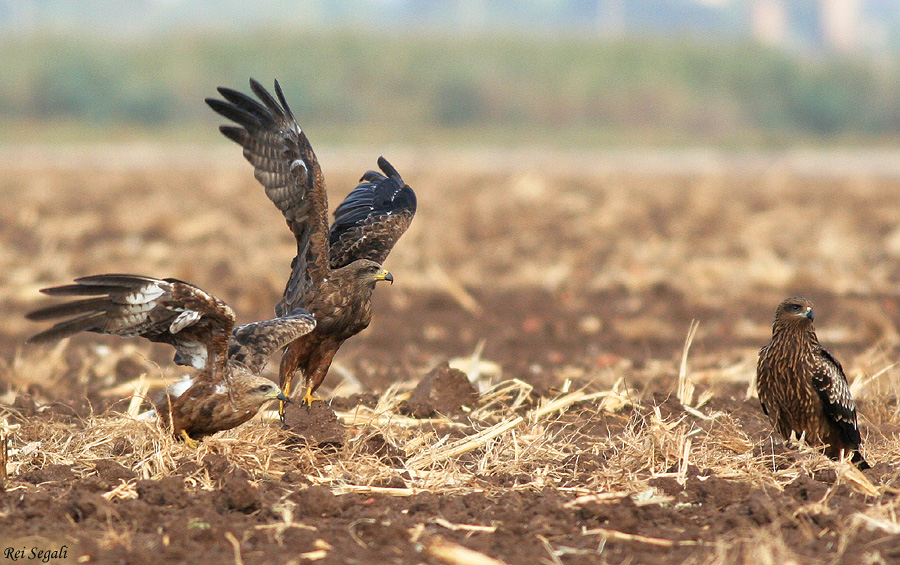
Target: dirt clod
(25, 405)
(442, 391)
(316, 501)
(112, 471)
(50, 473)
(80, 505)
(239, 494)
(315, 425)
(168, 491)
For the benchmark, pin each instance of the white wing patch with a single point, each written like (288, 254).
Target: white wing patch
(192, 354)
(177, 389)
(145, 294)
(185, 319)
(298, 168)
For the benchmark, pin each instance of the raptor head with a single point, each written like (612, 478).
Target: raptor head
(367, 273)
(795, 311)
(256, 391)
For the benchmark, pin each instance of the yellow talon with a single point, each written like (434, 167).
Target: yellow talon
(308, 398)
(282, 403)
(189, 441)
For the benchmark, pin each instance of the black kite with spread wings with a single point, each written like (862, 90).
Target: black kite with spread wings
(336, 268)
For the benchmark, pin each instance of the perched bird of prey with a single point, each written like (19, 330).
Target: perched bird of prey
(802, 388)
(336, 268)
(227, 390)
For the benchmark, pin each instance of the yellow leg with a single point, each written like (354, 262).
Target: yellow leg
(189, 441)
(308, 398)
(281, 403)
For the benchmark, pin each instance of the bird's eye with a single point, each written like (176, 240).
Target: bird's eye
(793, 307)
(264, 388)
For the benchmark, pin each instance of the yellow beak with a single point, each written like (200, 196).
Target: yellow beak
(384, 275)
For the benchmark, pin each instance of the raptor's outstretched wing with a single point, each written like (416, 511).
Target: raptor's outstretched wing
(286, 166)
(253, 344)
(162, 310)
(372, 218)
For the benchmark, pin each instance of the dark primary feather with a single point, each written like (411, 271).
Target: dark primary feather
(372, 217)
(834, 392)
(161, 310)
(90, 305)
(288, 169)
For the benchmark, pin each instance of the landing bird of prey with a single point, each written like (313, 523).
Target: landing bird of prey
(227, 390)
(336, 268)
(802, 388)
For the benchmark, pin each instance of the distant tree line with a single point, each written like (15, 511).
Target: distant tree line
(509, 89)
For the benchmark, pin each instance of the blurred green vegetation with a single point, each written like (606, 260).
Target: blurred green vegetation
(380, 87)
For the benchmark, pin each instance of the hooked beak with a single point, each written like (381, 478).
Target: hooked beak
(384, 275)
(809, 313)
(280, 396)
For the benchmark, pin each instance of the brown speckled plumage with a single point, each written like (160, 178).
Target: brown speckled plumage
(206, 406)
(802, 388)
(336, 268)
(226, 391)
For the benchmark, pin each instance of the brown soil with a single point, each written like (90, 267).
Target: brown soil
(315, 424)
(553, 287)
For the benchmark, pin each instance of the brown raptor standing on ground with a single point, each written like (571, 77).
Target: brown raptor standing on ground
(802, 388)
(336, 268)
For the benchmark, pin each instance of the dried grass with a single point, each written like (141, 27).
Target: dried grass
(502, 436)
(454, 554)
